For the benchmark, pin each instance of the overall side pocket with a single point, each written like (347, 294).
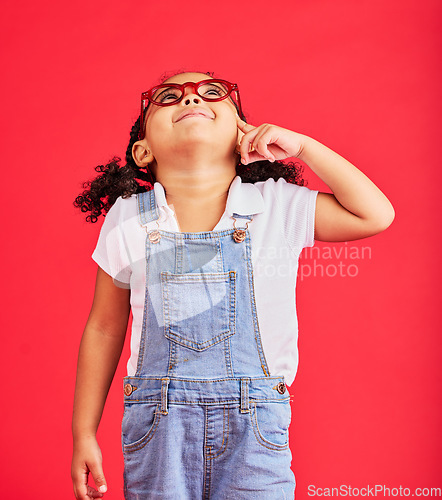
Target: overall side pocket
(270, 422)
(140, 422)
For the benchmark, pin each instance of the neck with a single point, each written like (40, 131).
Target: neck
(194, 181)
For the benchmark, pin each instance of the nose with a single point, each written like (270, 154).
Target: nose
(190, 95)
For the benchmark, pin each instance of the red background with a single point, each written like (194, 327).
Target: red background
(363, 78)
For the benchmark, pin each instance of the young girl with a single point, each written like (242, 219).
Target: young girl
(201, 241)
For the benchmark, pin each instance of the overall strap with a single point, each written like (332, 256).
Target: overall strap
(147, 208)
(238, 216)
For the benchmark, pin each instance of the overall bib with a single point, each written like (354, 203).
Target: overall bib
(203, 418)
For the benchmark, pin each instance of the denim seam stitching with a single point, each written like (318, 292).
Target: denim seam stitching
(228, 356)
(169, 277)
(202, 235)
(232, 318)
(207, 461)
(202, 402)
(219, 255)
(272, 377)
(197, 346)
(258, 341)
(173, 361)
(164, 387)
(225, 436)
(143, 328)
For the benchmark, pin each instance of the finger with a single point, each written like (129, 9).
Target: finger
(243, 126)
(257, 147)
(93, 493)
(245, 146)
(238, 140)
(80, 486)
(261, 142)
(255, 156)
(98, 476)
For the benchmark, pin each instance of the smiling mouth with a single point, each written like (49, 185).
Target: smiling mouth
(194, 115)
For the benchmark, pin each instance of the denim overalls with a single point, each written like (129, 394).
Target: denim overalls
(203, 418)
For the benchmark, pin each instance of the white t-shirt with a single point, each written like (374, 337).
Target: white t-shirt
(282, 226)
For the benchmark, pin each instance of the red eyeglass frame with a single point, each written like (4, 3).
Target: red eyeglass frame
(148, 96)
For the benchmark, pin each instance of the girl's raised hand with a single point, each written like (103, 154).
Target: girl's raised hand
(268, 142)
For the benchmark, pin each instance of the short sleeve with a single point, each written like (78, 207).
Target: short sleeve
(111, 252)
(297, 205)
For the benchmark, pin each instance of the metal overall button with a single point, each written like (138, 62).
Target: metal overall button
(239, 235)
(280, 387)
(129, 389)
(154, 236)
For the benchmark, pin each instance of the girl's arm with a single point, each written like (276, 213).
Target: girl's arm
(356, 209)
(99, 353)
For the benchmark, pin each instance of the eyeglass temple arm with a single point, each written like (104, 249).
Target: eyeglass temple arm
(239, 104)
(140, 132)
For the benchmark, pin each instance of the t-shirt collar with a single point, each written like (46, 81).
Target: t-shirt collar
(242, 199)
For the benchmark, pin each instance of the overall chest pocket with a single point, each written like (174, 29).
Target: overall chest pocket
(199, 308)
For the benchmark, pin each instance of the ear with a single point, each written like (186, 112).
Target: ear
(142, 154)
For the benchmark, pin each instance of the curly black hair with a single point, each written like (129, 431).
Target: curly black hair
(115, 180)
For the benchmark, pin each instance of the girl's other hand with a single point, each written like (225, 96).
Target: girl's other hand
(87, 459)
(268, 142)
